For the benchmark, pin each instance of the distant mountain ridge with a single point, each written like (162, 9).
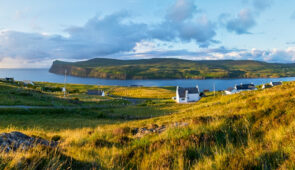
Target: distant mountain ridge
(171, 68)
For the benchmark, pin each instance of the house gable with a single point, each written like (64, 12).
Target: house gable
(185, 95)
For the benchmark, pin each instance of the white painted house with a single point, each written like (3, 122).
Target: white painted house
(240, 88)
(272, 84)
(186, 95)
(28, 82)
(276, 83)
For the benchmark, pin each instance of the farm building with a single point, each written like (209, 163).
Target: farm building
(186, 95)
(271, 84)
(96, 92)
(240, 88)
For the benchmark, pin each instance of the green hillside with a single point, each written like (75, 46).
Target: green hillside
(250, 130)
(172, 69)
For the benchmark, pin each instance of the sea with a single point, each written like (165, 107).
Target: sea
(43, 75)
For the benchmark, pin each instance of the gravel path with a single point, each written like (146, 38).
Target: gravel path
(54, 107)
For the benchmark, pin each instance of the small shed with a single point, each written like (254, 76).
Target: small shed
(9, 79)
(96, 92)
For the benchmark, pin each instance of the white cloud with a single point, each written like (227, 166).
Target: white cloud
(109, 35)
(181, 24)
(222, 53)
(246, 18)
(116, 36)
(242, 23)
(261, 5)
(181, 10)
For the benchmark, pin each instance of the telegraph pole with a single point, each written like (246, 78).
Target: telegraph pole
(65, 84)
(214, 88)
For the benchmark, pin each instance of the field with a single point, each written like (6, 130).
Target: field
(250, 130)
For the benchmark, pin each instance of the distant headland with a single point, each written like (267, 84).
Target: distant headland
(171, 68)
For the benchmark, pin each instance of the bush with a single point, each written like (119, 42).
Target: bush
(74, 91)
(56, 138)
(51, 89)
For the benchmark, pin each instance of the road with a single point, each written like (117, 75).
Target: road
(55, 107)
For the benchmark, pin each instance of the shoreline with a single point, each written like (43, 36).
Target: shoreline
(176, 78)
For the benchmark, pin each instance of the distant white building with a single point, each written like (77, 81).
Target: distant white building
(272, 84)
(28, 82)
(186, 95)
(240, 88)
(265, 86)
(276, 83)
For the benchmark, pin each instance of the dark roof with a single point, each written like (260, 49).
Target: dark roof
(136, 85)
(94, 92)
(191, 90)
(245, 87)
(9, 79)
(276, 83)
(230, 89)
(267, 86)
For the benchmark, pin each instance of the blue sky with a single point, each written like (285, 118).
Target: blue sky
(33, 33)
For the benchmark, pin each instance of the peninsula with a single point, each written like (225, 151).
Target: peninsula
(168, 68)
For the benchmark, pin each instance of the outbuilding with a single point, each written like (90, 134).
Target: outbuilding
(240, 88)
(96, 92)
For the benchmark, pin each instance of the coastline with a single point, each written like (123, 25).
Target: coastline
(226, 78)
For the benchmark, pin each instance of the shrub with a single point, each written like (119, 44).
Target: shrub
(123, 140)
(56, 138)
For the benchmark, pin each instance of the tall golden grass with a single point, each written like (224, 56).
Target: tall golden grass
(250, 130)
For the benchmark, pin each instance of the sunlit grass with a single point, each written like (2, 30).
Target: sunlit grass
(250, 130)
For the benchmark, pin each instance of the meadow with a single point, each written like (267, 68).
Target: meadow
(250, 130)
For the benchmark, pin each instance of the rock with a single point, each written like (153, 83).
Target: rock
(134, 131)
(140, 132)
(154, 129)
(154, 126)
(16, 140)
(180, 124)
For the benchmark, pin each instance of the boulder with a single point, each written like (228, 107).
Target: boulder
(144, 131)
(154, 128)
(16, 140)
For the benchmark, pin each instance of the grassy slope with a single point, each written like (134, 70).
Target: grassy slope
(172, 69)
(12, 94)
(242, 131)
(81, 110)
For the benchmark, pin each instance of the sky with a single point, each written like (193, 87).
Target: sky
(34, 33)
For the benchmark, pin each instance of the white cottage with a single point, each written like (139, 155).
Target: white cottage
(272, 84)
(240, 88)
(186, 95)
(28, 82)
(276, 83)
